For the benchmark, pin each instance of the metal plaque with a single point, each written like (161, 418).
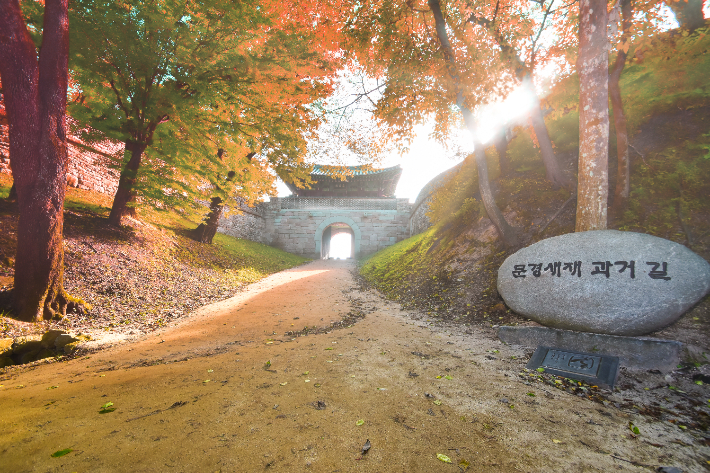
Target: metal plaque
(594, 369)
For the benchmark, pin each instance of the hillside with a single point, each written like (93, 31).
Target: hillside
(137, 279)
(449, 271)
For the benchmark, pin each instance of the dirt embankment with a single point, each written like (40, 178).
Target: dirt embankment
(234, 388)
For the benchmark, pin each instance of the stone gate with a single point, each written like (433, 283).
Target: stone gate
(304, 223)
(362, 206)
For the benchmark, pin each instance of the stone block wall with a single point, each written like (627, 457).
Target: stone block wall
(242, 221)
(300, 230)
(296, 224)
(91, 167)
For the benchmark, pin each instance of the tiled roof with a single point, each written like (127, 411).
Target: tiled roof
(319, 170)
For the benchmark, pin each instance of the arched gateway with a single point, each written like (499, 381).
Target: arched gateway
(303, 223)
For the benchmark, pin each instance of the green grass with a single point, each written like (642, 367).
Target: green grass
(391, 267)
(257, 258)
(5, 184)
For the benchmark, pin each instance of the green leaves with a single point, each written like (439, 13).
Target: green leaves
(106, 408)
(61, 453)
(634, 429)
(189, 79)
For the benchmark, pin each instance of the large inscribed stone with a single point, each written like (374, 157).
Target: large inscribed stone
(607, 281)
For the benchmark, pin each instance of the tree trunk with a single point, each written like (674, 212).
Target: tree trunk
(623, 179)
(593, 179)
(505, 231)
(205, 232)
(501, 144)
(552, 165)
(125, 194)
(12, 195)
(35, 99)
(523, 73)
(689, 13)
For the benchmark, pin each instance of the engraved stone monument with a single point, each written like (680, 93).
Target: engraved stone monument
(611, 282)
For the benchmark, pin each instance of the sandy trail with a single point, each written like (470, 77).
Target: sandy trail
(200, 396)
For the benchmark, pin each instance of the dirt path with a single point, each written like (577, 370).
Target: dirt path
(228, 391)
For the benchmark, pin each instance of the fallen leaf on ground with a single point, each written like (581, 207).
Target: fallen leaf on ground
(61, 453)
(443, 458)
(359, 422)
(106, 408)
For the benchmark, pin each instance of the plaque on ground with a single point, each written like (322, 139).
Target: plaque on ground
(594, 369)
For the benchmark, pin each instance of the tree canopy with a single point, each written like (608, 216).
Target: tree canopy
(186, 79)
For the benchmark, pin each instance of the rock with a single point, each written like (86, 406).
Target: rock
(72, 181)
(50, 337)
(46, 353)
(29, 356)
(71, 347)
(6, 361)
(618, 283)
(5, 344)
(635, 353)
(64, 339)
(27, 346)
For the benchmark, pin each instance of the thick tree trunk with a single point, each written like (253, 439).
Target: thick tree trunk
(205, 232)
(501, 144)
(623, 174)
(689, 13)
(553, 169)
(125, 194)
(35, 98)
(593, 179)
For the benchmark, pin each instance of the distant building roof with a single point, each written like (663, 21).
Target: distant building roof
(363, 181)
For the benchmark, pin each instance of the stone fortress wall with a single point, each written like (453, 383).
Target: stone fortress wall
(241, 221)
(90, 166)
(419, 222)
(296, 224)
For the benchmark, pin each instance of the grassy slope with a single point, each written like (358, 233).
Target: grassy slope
(449, 273)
